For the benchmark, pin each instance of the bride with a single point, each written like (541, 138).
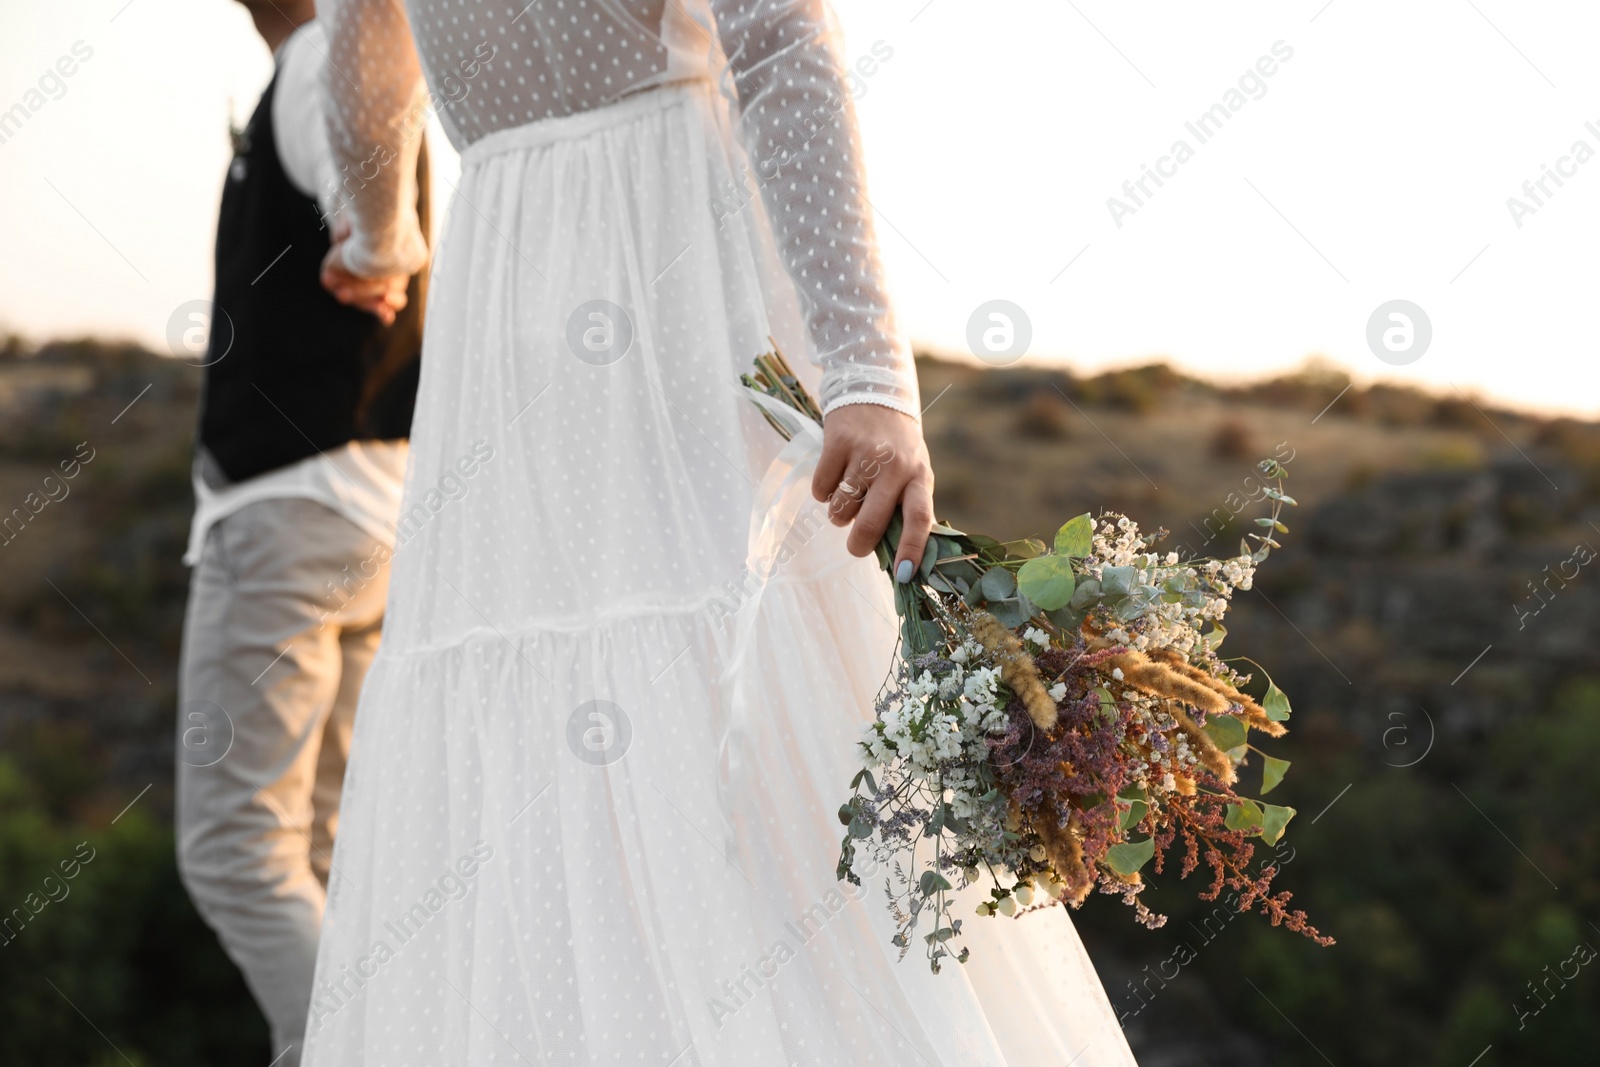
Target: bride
(546, 855)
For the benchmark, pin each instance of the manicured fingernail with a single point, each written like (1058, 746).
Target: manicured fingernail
(902, 573)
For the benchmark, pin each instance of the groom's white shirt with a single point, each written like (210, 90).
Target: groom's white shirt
(361, 480)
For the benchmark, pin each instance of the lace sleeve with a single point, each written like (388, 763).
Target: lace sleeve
(377, 111)
(798, 125)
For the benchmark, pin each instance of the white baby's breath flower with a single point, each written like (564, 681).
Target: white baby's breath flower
(1058, 691)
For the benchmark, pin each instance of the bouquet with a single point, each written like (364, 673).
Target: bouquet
(1058, 719)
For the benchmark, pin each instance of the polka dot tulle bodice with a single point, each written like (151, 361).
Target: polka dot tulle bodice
(493, 65)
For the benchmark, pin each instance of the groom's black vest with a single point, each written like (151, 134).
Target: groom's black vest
(291, 371)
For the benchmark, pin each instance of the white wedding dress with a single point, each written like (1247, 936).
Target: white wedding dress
(544, 856)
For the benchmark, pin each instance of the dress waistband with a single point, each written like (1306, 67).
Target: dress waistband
(583, 123)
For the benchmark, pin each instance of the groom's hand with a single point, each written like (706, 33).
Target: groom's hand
(384, 297)
(874, 459)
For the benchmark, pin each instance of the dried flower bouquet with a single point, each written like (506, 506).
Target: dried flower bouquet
(1058, 719)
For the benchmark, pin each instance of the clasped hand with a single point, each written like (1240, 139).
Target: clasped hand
(384, 297)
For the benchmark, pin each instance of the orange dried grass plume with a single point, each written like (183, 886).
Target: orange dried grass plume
(1065, 853)
(1165, 674)
(1254, 714)
(1158, 679)
(1017, 669)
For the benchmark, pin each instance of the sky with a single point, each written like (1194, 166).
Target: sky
(1371, 173)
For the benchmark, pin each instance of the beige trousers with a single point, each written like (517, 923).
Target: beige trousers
(283, 620)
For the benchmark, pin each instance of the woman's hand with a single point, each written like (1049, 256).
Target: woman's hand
(874, 459)
(384, 297)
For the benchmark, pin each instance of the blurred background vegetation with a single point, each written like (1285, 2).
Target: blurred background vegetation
(1445, 737)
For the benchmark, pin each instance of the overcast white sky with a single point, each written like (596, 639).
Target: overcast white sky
(1376, 166)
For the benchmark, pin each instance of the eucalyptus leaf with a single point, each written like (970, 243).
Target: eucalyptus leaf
(1048, 581)
(1225, 731)
(931, 882)
(1067, 618)
(961, 570)
(1117, 581)
(1087, 593)
(1213, 639)
(1130, 609)
(1275, 703)
(1273, 822)
(1126, 859)
(1076, 537)
(1272, 772)
(997, 583)
(1008, 611)
(948, 531)
(1245, 815)
(847, 856)
(1027, 548)
(930, 556)
(1108, 703)
(1136, 811)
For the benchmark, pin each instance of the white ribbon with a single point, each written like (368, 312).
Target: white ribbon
(785, 489)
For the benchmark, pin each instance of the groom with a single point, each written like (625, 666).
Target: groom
(299, 464)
